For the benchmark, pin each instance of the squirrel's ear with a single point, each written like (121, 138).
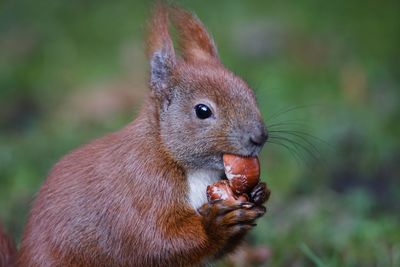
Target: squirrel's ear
(195, 42)
(160, 49)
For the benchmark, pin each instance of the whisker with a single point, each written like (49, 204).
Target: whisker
(300, 147)
(287, 123)
(296, 146)
(292, 151)
(302, 134)
(303, 138)
(281, 112)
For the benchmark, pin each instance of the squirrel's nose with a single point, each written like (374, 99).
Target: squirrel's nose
(259, 136)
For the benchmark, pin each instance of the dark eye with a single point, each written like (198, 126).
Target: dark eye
(202, 111)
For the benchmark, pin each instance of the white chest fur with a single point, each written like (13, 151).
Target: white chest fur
(198, 181)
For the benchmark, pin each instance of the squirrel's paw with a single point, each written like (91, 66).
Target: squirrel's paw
(229, 218)
(260, 194)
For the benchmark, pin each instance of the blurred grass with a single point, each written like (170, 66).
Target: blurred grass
(330, 71)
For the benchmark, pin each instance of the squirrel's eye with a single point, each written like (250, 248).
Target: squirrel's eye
(202, 111)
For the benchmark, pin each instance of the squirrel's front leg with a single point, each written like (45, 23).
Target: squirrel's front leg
(226, 222)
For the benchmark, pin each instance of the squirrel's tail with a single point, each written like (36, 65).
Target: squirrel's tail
(8, 250)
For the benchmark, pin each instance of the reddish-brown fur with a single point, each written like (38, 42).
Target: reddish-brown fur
(195, 42)
(122, 199)
(146, 213)
(7, 250)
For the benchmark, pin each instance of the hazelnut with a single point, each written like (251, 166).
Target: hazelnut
(243, 173)
(221, 190)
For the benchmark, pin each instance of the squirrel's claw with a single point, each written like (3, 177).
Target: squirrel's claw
(260, 194)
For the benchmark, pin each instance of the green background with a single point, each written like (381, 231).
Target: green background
(327, 76)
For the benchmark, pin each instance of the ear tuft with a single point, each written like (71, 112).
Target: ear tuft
(194, 40)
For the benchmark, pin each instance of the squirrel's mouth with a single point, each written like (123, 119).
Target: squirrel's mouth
(245, 151)
(245, 154)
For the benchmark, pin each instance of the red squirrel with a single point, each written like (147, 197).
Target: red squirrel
(7, 250)
(137, 197)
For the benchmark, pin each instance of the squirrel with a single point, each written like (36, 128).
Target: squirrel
(7, 250)
(137, 197)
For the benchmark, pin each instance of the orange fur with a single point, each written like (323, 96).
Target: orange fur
(123, 199)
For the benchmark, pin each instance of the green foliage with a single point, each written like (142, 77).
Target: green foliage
(326, 74)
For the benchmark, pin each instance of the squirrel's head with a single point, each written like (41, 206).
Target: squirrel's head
(204, 110)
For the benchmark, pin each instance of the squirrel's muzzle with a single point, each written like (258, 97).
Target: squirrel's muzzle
(254, 138)
(259, 136)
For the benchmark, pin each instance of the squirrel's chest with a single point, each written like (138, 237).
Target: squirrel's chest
(197, 182)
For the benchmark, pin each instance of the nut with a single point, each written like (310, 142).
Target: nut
(243, 173)
(220, 191)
